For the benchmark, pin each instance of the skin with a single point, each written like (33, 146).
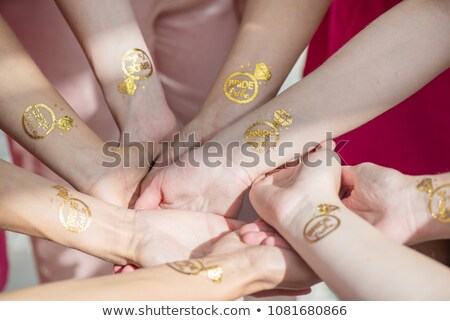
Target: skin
(106, 30)
(353, 267)
(361, 81)
(391, 201)
(82, 156)
(247, 269)
(117, 235)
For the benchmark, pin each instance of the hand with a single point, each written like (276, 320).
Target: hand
(161, 236)
(277, 196)
(197, 187)
(385, 198)
(276, 268)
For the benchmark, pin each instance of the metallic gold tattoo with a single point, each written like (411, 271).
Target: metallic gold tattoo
(264, 135)
(242, 87)
(39, 121)
(438, 199)
(74, 214)
(196, 267)
(322, 224)
(136, 65)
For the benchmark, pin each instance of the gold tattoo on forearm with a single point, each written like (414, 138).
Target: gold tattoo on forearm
(242, 86)
(264, 135)
(322, 224)
(196, 267)
(39, 121)
(437, 199)
(136, 65)
(74, 214)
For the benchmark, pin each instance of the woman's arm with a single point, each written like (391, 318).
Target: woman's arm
(113, 43)
(271, 37)
(349, 254)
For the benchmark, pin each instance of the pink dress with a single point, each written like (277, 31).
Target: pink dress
(411, 137)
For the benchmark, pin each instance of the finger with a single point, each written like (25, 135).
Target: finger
(256, 226)
(348, 176)
(129, 268)
(254, 238)
(150, 197)
(117, 268)
(277, 241)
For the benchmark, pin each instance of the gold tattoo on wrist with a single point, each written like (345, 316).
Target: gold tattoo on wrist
(74, 214)
(242, 86)
(39, 121)
(196, 267)
(136, 65)
(322, 224)
(438, 199)
(264, 135)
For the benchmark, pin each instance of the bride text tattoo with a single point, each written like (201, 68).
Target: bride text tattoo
(136, 65)
(39, 120)
(264, 136)
(196, 267)
(322, 224)
(74, 214)
(438, 199)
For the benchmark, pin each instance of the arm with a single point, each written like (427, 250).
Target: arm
(408, 209)
(107, 30)
(348, 253)
(261, 40)
(38, 118)
(32, 205)
(231, 270)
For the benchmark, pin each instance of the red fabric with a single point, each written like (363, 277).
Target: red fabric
(411, 137)
(3, 261)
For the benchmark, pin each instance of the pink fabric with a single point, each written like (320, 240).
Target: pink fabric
(189, 41)
(411, 136)
(3, 261)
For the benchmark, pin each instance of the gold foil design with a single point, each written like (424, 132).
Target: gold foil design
(74, 214)
(242, 87)
(196, 267)
(136, 65)
(321, 224)
(264, 135)
(438, 199)
(39, 120)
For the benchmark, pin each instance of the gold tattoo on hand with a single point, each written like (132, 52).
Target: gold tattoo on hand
(136, 65)
(242, 87)
(196, 267)
(39, 121)
(74, 214)
(264, 135)
(438, 199)
(322, 224)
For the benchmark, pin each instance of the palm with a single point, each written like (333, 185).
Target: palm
(167, 236)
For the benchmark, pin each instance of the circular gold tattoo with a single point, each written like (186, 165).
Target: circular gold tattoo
(321, 225)
(38, 121)
(136, 65)
(75, 215)
(438, 199)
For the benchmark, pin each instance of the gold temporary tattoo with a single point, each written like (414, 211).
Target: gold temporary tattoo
(136, 65)
(264, 135)
(437, 199)
(242, 87)
(39, 120)
(196, 267)
(74, 214)
(321, 224)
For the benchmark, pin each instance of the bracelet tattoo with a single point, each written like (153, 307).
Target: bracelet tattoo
(242, 86)
(438, 199)
(263, 136)
(322, 224)
(136, 65)
(39, 120)
(74, 214)
(196, 267)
